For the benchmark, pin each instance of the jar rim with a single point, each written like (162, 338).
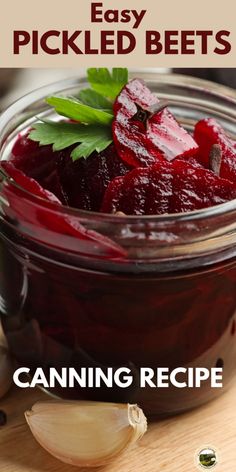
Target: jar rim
(211, 88)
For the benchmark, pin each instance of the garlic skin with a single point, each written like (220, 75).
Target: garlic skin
(6, 371)
(86, 434)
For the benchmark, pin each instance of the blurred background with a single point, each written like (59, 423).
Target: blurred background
(17, 82)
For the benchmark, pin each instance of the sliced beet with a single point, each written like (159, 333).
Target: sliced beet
(86, 180)
(79, 184)
(27, 183)
(195, 188)
(39, 163)
(143, 191)
(142, 134)
(41, 217)
(166, 187)
(209, 132)
(171, 138)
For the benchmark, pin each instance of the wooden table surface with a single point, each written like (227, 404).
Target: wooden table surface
(170, 445)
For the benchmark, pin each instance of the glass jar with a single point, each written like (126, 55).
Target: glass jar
(154, 291)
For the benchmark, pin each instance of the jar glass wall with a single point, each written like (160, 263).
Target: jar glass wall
(155, 291)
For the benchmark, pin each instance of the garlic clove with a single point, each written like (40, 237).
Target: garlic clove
(86, 434)
(6, 371)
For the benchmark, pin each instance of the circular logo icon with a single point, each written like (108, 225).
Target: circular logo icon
(207, 458)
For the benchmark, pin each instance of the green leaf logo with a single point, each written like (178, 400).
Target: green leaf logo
(207, 458)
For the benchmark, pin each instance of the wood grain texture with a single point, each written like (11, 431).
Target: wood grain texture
(168, 446)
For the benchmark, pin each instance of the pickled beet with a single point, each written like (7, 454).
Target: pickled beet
(46, 216)
(86, 180)
(27, 183)
(80, 184)
(171, 138)
(142, 191)
(38, 162)
(154, 136)
(209, 132)
(170, 175)
(166, 187)
(195, 188)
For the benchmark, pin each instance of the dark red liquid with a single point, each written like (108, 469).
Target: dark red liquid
(59, 314)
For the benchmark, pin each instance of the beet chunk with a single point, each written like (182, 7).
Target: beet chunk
(166, 187)
(40, 163)
(142, 135)
(86, 180)
(80, 184)
(209, 132)
(39, 219)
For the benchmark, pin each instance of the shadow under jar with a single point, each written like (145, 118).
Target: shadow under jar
(165, 297)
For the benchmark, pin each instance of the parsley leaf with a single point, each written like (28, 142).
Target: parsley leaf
(106, 83)
(95, 100)
(62, 135)
(92, 110)
(75, 110)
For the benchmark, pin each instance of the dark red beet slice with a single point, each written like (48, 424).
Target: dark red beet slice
(86, 180)
(143, 191)
(161, 136)
(38, 162)
(195, 188)
(114, 196)
(169, 137)
(80, 184)
(46, 216)
(29, 157)
(28, 183)
(208, 132)
(166, 187)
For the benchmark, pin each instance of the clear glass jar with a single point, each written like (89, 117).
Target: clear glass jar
(155, 291)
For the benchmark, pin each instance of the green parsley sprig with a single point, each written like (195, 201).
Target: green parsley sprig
(93, 111)
(106, 83)
(62, 135)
